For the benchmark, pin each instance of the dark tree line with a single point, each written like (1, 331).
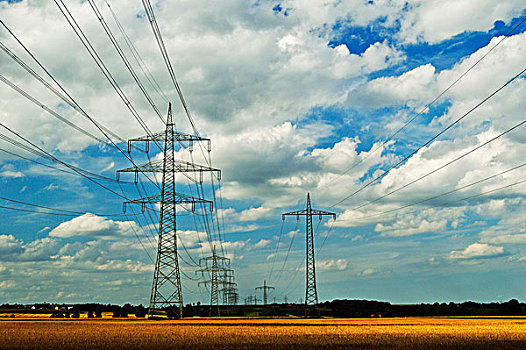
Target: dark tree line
(335, 308)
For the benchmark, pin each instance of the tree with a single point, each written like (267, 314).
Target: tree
(140, 311)
(117, 312)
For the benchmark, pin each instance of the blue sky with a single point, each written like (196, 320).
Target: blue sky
(297, 96)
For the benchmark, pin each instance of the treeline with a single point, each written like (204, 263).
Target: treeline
(336, 308)
(366, 308)
(92, 310)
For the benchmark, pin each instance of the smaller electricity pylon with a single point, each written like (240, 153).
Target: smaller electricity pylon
(216, 267)
(265, 290)
(251, 300)
(311, 292)
(229, 290)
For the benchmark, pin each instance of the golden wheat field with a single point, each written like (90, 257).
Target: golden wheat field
(394, 333)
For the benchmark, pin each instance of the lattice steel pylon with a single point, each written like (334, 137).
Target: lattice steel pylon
(311, 292)
(229, 290)
(218, 268)
(166, 293)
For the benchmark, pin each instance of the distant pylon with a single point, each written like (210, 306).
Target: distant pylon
(229, 290)
(166, 292)
(251, 300)
(311, 292)
(265, 289)
(219, 272)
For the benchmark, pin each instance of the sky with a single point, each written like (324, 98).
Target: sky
(296, 96)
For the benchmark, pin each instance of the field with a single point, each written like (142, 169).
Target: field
(396, 333)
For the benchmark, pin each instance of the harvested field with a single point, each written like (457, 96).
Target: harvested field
(398, 333)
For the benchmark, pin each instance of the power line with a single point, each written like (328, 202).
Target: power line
(93, 53)
(276, 251)
(66, 97)
(50, 111)
(36, 211)
(441, 195)
(119, 50)
(384, 173)
(442, 166)
(46, 155)
(433, 198)
(429, 173)
(423, 110)
(288, 252)
(53, 158)
(70, 212)
(158, 37)
(140, 62)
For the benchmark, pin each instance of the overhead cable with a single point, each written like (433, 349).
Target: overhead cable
(427, 106)
(384, 173)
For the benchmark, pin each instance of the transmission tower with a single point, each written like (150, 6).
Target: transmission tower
(229, 290)
(251, 300)
(311, 292)
(218, 269)
(265, 290)
(166, 293)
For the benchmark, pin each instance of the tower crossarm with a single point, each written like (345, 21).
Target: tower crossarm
(210, 281)
(205, 260)
(213, 269)
(180, 166)
(184, 139)
(305, 212)
(179, 198)
(231, 284)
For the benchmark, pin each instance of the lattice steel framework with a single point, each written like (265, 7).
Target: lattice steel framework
(311, 292)
(221, 275)
(166, 293)
(229, 290)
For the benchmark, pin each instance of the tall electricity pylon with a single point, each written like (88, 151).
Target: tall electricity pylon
(265, 289)
(311, 292)
(166, 293)
(218, 268)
